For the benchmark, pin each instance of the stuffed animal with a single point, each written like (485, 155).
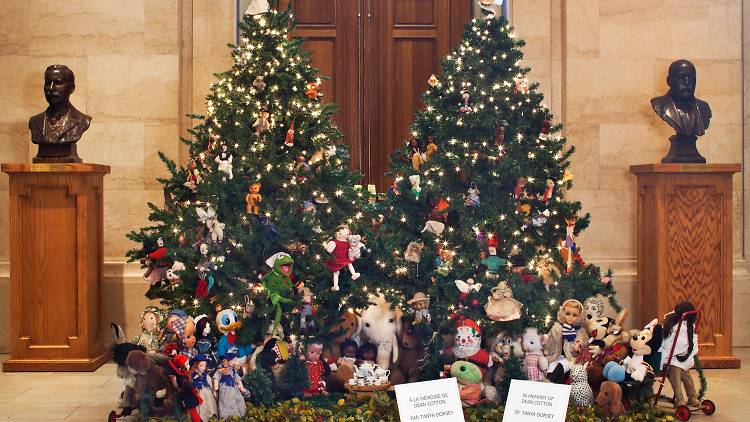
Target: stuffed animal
(609, 400)
(564, 340)
(356, 246)
(343, 367)
(502, 346)
(381, 324)
(150, 383)
(209, 218)
(156, 262)
(467, 345)
(120, 351)
(278, 281)
(534, 361)
(608, 343)
(411, 351)
(253, 199)
(580, 390)
(643, 343)
(469, 378)
(339, 250)
(685, 343)
(227, 324)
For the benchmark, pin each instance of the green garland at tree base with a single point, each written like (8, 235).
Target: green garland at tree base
(384, 408)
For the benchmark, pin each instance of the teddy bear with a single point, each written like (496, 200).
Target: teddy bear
(253, 199)
(534, 361)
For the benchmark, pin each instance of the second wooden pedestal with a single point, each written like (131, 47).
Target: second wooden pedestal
(685, 249)
(56, 230)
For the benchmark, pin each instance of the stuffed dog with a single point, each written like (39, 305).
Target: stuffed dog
(609, 400)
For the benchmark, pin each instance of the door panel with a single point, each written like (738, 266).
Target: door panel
(331, 28)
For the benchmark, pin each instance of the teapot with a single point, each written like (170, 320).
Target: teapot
(366, 370)
(382, 373)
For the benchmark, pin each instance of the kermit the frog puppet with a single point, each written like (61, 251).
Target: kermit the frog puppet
(278, 282)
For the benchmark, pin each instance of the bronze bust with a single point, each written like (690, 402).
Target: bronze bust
(688, 116)
(57, 129)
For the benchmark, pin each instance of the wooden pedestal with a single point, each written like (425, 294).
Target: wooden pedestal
(56, 236)
(685, 249)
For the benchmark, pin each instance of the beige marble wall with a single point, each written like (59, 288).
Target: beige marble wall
(125, 55)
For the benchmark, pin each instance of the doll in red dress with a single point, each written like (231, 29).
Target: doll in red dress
(317, 370)
(339, 250)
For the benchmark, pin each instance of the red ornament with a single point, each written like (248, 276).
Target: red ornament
(312, 90)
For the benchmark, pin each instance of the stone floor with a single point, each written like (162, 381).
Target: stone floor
(82, 397)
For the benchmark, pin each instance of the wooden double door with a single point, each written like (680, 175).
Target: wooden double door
(379, 55)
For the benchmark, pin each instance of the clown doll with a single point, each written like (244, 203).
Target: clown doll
(317, 370)
(339, 249)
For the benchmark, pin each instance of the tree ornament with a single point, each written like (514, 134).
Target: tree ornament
(465, 107)
(521, 85)
(278, 282)
(492, 261)
(434, 227)
(492, 8)
(472, 198)
(416, 190)
(311, 90)
(308, 207)
(339, 250)
(205, 278)
(430, 149)
(306, 311)
(215, 228)
(444, 260)
(420, 303)
(548, 190)
(546, 125)
(433, 81)
(157, 263)
(289, 140)
(356, 246)
(258, 84)
(519, 191)
(193, 177)
(303, 169)
(256, 7)
(262, 123)
(569, 246)
(224, 160)
(413, 252)
(253, 199)
(567, 176)
(415, 155)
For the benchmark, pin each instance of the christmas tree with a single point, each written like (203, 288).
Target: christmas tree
(248, 222)
(476, 223)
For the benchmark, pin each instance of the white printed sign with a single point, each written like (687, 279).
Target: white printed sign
(536, 401)
(429, 401)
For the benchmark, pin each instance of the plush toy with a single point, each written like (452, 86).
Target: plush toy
(215, 228)
(311, 90)
(381, 325)
(317, 370)
(534, 361)
(431, 148)
(420, 303)
(151, 320)
(416, 190)
(492, 261)
(469, 378)
(253, 199)
(434, 227)
(467, 344)
(519, 192)
(179, 334)
(501, 306)
(643, 344)
(609, 400)
(150, 382)
(120, 351)
(262, 123)
(193, 177)
(306, 311)
(580, 390)
(465, 107)
(345, 327)
(157, 263)
(415, 155)
(564, 340)
(229, 389)
(227, 324)
(339, 249)
(199, 374)
(258, 83)
(500, 133)
(173, 274)
(608, 342)
(355, 247)
(685, 342)
(278, 281)
(343, 366)
(502, 346)
(224, 161)
(186, 395)
(411, 352)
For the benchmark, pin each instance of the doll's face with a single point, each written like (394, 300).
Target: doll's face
(204, 249)
(571, 314)
(350, 351)
(414, 143)
(342, 233)
(492, 250)
(307, 298)
(498, 294)
(201, 367)
(419, 305)
(160, 242)
(369, 354)
(465, 96)
(313, 352)
(189, 335)
(149, 321)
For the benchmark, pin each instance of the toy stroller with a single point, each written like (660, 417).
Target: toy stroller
(683, 412)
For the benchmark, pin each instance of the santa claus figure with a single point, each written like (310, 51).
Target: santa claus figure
(468, 344)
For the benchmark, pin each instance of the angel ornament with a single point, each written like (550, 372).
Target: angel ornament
(467, 287)
(224, 160)
(264, 122)
(215, 228)
(501, 306)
